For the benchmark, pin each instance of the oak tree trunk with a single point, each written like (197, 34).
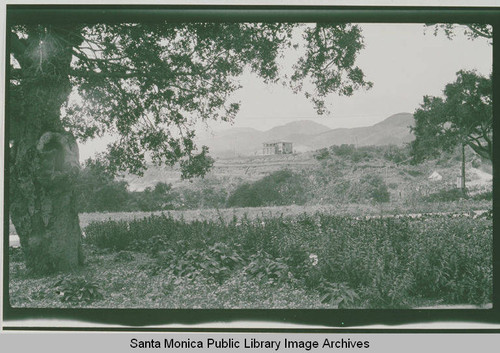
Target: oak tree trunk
(44, 161)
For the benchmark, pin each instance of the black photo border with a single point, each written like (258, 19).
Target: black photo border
(336, 320)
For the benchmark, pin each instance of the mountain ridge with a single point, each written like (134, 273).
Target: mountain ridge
(308, 135)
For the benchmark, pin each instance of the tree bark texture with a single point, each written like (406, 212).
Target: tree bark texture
(44, 160)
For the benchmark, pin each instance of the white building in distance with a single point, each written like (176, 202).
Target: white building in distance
(277, 147)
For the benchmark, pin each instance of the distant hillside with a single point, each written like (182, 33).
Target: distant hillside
(247, 142)
(308, 135)
(238, 150)
(392, 131)
(225, 170)
(296, 128)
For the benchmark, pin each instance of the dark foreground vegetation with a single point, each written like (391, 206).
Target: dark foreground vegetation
(311, 261)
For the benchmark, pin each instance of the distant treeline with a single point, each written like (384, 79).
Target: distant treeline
(99, 191)
(345, 174)
(391, 153)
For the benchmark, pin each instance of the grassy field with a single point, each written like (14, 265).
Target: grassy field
(295, 210)
(308, 260)
(360, 210)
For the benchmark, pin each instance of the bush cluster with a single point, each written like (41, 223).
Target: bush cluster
(115, 197)
(334, 189)
(99, 191)
(382, 262)
(77, 290)
(283, 187)
(392, 153)
(375, 188)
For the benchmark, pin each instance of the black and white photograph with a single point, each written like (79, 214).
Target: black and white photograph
(211, 164)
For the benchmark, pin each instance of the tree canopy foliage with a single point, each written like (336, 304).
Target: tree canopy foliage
(472, 31)
(463, 116)
(148, 84)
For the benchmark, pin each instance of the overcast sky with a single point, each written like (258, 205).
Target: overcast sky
(404, 62)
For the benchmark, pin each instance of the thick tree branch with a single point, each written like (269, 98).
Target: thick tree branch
(484, 152)
(484, 34)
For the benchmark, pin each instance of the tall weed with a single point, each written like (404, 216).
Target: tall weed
(384, 261)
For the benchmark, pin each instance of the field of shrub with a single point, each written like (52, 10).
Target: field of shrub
(339, 175)
(307, 261)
